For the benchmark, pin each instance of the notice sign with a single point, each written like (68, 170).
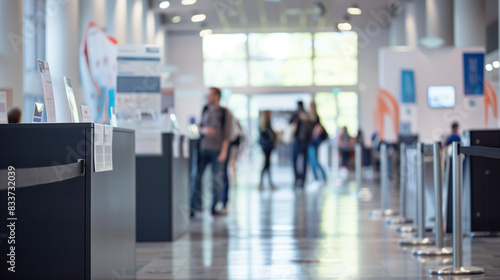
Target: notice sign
(86, 115)
(138, 95)
(407, 86)
(37, 112)
(71, 100)
(48, 93)
(473, 73)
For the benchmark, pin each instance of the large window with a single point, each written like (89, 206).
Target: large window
(280, 59)
(336, 58)
(225, 60)
(337, 111)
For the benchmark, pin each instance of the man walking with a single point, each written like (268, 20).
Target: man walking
(303, 134)
(213, 147)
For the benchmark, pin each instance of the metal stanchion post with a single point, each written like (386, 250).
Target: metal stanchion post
(361, 192)
(420, 240)
(384, 186)
(439, 250)
(358, 165)
(403, 175)
(457, 268)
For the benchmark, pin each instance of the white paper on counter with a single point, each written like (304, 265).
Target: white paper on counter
(48, 92)
(108, 147)
(185, 147)
(71, 100)
(86, 115)
(99, 148)
(3, 107)
(37, 112)
(176, 146)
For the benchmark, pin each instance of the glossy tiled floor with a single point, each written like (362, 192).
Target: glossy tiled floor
(324, 232)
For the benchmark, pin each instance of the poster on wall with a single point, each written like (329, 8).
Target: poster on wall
(98, 71)
(138, 95)
(473, 73)
(407, 86)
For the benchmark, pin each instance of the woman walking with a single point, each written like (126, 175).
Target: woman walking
(267, 141)
(318, 135)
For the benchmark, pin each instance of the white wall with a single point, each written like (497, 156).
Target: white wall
(442, 66)
(186, 54)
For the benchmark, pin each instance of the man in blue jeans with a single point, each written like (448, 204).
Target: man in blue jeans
(301, 143)
(213, 147)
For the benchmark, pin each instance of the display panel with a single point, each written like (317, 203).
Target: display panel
(441, 96)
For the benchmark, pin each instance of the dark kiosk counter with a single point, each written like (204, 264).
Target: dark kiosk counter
(71, 222)
(163, 191)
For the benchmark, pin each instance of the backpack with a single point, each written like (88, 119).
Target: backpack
(222, 117)
(267, 138)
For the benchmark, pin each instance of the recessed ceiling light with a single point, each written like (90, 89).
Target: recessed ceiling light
(344, 26)
(188, 2)
(198, 18)
(176, 19)
(206, 32)
(488, 67)
(496, 64)
(164, 4)
(354, 10)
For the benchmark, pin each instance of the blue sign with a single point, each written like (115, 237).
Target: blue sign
(407, 86)
(474, 73)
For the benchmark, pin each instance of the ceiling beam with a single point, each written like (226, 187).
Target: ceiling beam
(262, 14)
(324, 19)
(303, 15)
(222, 8)
(283, 15)
(243, 15)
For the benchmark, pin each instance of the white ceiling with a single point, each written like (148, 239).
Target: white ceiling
(272, 15)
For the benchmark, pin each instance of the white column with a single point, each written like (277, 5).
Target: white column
(160, 38)
(92, 11)
(11, 49)
(470, 23)
(150, 27)
(62, 45)
(135, 21)
(414, 22)
(440, 21)
(397, 35)
(116, 19)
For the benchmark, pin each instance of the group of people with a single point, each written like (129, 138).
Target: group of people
(308, 135)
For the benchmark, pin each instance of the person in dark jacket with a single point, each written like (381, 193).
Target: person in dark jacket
(303, 135)
(267, 141)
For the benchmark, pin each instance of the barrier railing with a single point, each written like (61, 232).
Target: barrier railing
(361, 193)
(439, 250)
(403, 176)
(420, 240)
(384, 211)
(458, 268)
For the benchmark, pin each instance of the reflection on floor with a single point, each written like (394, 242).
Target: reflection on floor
(324, 232)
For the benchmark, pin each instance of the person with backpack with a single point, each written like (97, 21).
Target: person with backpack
(267, 141)
(319, 134)
(303, 132)
(213, 147)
